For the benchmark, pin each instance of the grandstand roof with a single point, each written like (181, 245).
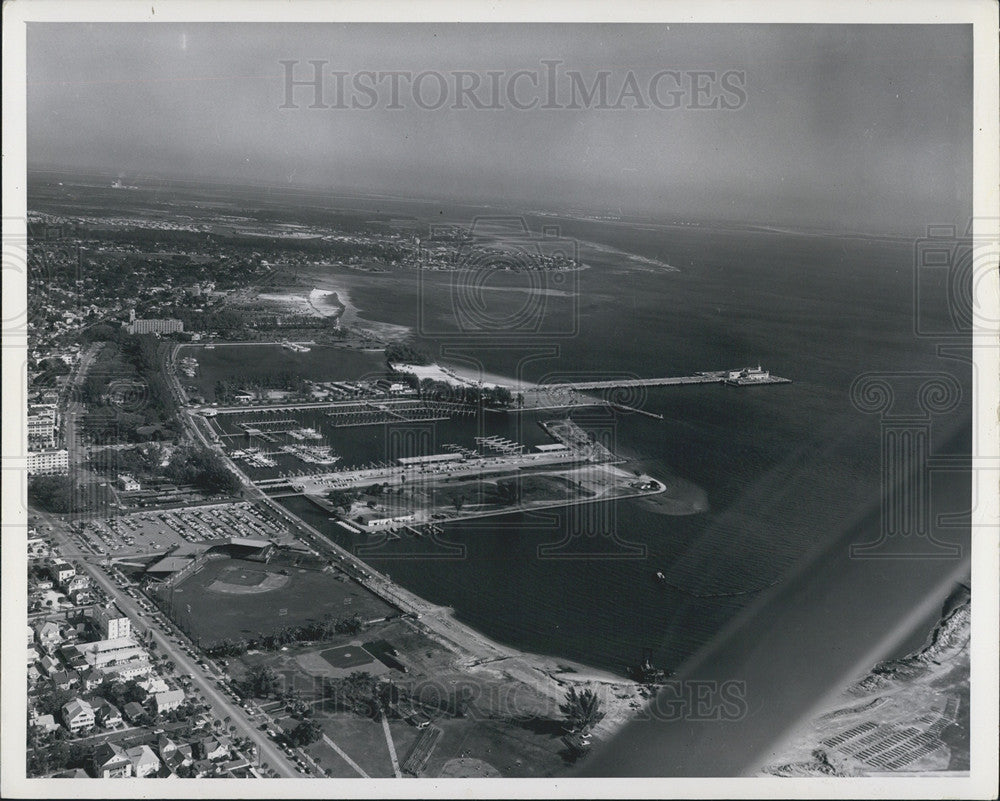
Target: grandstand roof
(247, 542)
(169, 564)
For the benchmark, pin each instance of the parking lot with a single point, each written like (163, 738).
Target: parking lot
(158, 531)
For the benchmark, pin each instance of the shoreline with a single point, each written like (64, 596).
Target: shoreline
(549, 676)
(474, 652)
(315, 304)
(908, 691)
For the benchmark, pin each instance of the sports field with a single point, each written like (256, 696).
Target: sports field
(347, 656)
(235, 598)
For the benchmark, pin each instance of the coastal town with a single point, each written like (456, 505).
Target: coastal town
(499, 401)
(187, 617)
(173, 619)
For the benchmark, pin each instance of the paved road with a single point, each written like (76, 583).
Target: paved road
(269, 752)
(74, 408)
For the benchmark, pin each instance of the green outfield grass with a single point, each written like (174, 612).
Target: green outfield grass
(308, 596)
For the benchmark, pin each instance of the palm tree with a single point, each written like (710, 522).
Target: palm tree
(582, 709)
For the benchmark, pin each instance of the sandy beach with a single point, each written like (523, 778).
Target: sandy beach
(460, 376)
(317, 303)
(551, 677)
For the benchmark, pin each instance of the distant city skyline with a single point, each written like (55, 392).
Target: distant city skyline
(850, 127)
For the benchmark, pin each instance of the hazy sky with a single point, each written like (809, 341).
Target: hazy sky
(864, 127)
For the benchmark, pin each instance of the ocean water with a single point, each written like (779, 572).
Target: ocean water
(785, 470)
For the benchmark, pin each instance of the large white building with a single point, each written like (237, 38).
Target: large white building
(42, 425)
(128, 483)
(61, 572)
(105, 653)
(113, 624)
(153, 326)
(47, 462)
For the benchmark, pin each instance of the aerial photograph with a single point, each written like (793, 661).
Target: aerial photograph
(545, 401)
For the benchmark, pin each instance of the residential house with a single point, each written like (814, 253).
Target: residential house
(78, 715)
(65, 679)
(211, 749)
(107, 714)
(31, 636)
(133, 712)
(202, 768)
(144, 761)
(76, 583)
(33, 655)
(71, 656)
(46, 723)
(73, 773)
(154, 685)
(173, 755)
(168, 700)
(91, 678)
(81, 597)
(111, 762)
(233, 765)
(49, 635)
(49, 665)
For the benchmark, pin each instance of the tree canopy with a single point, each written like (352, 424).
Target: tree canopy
(306, 733)
(582, 709)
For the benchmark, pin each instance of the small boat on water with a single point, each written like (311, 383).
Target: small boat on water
(646, 672)
(660, 576)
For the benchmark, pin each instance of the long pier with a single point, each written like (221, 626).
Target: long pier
(646, 382)
(752, 378)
